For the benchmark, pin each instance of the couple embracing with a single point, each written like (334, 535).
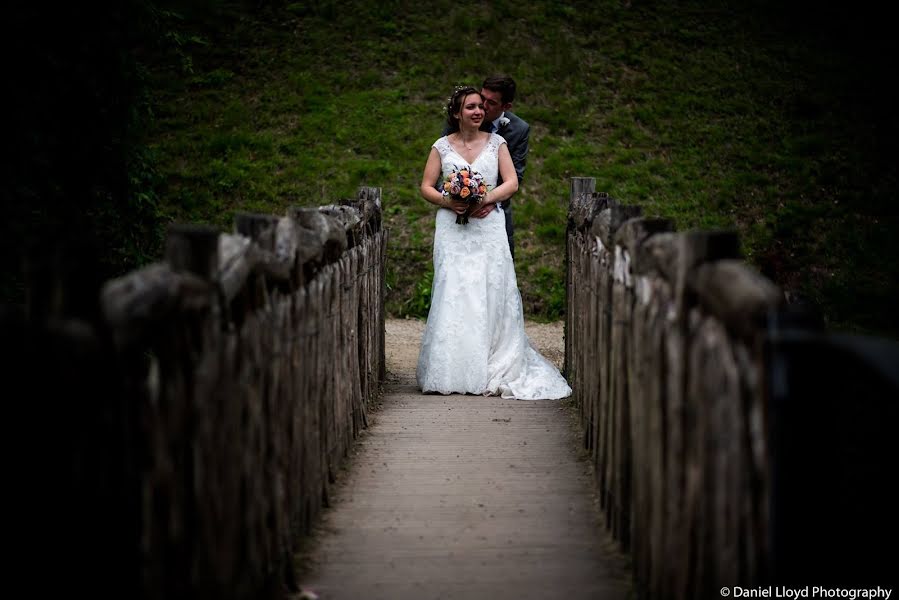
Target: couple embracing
(474, 341)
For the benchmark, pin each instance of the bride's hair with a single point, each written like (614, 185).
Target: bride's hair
(454, 105)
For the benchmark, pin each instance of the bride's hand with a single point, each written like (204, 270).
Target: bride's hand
(458, 207)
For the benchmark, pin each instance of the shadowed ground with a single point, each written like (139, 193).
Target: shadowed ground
(464, 497)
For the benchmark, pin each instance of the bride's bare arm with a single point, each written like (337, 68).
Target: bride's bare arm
(504, 191)
(429, 192)
(510, 178)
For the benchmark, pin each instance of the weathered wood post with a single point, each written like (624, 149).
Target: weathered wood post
(579, 188)
(693, 249)
(653, 263)
(726, 368)
(271, 290)
(370, 199)
(193, 249)
(591, 314)
(610, 444)
(627, 312)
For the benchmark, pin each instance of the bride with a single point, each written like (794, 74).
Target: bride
(474, 341)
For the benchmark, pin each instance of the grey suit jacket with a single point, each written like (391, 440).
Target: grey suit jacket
(516, 133)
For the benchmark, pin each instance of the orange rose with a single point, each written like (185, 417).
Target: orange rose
(482, 189)
(463, 173)
(447, 186)
(466, 181)
(465, 192)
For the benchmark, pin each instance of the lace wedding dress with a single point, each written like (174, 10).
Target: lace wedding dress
(474, 341)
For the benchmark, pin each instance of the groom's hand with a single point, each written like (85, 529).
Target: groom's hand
(483, 211)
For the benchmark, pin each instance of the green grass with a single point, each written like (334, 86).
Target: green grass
(718, 116)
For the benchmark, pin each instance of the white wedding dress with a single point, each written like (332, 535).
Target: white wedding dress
(474, 341)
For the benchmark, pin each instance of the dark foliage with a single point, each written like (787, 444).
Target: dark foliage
(77, 183)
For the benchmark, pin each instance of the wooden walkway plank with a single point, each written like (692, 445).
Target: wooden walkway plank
(464, 497)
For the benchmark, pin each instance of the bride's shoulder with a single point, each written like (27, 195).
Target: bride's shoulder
(496, 141)
(442, 145)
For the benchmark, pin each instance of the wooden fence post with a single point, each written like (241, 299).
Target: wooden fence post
(193, 249)
(370, 199)
(578, 188)
(258, 227)
(608, 438)
(693, 249)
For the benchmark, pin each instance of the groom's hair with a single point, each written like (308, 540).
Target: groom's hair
(503, 84)
(454, 105)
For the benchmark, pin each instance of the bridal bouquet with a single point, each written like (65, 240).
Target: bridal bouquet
(465, 185)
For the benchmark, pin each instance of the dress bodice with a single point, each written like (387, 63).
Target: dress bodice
(486, 163)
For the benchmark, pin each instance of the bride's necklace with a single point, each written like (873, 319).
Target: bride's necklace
(476, 142)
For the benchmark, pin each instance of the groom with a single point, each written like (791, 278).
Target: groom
(498, 93)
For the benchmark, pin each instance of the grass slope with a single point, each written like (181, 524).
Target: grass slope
(717, 115)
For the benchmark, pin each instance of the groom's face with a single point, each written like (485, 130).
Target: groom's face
(493, 104)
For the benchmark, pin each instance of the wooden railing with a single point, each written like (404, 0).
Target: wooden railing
(692, 397)
(216, 398)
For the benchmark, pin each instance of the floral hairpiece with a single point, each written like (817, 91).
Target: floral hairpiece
(456, 90)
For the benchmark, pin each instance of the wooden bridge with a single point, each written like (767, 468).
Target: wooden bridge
(463, 497)
(224, 425)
